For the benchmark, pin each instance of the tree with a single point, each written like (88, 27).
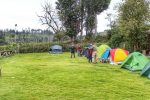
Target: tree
(68, 11)
(73, 13)
(133, 16)
(2, 38)
(50, 18)
(92, 9)
(59, 36)
(116, 39)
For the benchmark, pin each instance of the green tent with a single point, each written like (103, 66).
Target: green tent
(135, 61)
(146, 70)
(101, 49)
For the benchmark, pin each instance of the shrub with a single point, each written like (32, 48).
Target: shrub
(40, 47)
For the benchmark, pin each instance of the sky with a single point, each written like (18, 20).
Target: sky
(24, 14)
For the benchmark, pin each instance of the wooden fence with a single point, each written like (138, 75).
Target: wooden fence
(6, 53)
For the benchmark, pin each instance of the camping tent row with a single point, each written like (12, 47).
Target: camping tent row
(134, 62)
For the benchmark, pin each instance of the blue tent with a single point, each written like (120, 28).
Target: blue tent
(105, 55)
(55, 49)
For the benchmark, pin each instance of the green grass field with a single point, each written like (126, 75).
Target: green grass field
(43, 76)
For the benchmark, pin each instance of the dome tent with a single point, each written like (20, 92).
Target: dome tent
(118, 55)
(115, 56)
(135, 61)
(105, 55)
(55, 49)
(146, 70)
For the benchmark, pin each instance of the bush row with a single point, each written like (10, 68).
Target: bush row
(8, 47)
(36, 47)
(33, 47)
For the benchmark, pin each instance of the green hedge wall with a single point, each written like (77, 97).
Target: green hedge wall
(39, 47)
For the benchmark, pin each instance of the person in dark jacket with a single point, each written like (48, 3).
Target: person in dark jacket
(90, 52)
(72, 50)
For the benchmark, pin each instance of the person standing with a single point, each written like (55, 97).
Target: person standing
(94, 53)
(79, 49)
(90, 52)
(72, 50)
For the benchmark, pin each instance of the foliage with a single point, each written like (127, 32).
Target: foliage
(11, 47)
(116, 39)
(68, 12)
(92, 9)
(102, 39)
(133, 17)
(42, 76)
(58, 36)
(28, 36)
(40, 47)
(32, 47)
(2, 38)
(73, 13)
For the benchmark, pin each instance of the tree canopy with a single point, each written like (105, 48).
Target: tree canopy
(78, 13)
(134, 15)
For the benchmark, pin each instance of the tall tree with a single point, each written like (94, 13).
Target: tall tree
(68, 11)
(73, 13)
(133, 16)
(92, 9)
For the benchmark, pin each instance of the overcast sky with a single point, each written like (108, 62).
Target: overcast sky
(24, 14)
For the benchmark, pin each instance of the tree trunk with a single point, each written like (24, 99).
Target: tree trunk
(95, 25)
(82, 17)
(72, 40)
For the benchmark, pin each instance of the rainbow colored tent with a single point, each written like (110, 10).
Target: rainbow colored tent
(117, 56)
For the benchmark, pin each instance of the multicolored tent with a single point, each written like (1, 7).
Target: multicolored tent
(116, 55)
(101, 49)
(105, 55)
(135, 61)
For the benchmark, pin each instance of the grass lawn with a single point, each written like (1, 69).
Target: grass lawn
(43, 76)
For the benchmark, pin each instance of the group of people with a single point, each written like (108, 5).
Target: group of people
(90, 52)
